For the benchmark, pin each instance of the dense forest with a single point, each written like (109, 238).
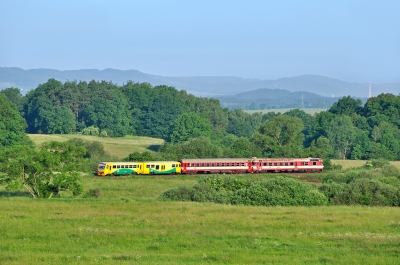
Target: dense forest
(199, 127)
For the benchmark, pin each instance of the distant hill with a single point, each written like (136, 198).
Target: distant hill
(275, 99)
(199, 86)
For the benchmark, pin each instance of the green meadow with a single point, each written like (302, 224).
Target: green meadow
(127, 224)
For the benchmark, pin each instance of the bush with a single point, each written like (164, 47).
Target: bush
(372, 192)
(390, 171)
(180, 194)
(379, 163)
(362, 189)
(92, 193)
(229, 190)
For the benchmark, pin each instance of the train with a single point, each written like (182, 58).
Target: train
(211, 166)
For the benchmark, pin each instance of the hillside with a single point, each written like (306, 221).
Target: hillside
(197, 85)
(275, 99)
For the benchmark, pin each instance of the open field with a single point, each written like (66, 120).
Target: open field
(358, 163)
(122, 147)
(118, 147)
(127, 224)
(310, 111)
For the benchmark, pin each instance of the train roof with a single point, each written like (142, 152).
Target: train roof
(206, 160)
(132, 162)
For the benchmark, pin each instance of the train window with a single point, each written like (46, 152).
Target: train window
(208, 164)
(162, 167)
(306, 163)
(270, 164)
(147, 166)
(197, 164)
(212, 164)
(242, 164)
(173, 165)
(217, 164)
(265, 164)
(286, 164)
(157, 166)
(237, 164)
(222, 164)
(291, 163)
(280, 163)
(275, 164)
(192, 165)
(202, 164)
(114, 166)
(314, 163)
(152, 166)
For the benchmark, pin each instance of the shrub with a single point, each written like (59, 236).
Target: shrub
(179, 194)
(390, 171)
(229, 190)
(365, 191)
(92, 193)
(379, 163)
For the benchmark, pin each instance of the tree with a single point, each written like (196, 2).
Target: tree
(200, 147)
(190, 125)
(43, 173)
(346, 106)
(321, 148)
(306, 118)
(12, 125)
(280, 136)
(384, 104)
(341, 134)
(14, 95)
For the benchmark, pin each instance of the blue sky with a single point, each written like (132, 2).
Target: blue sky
(355, 41)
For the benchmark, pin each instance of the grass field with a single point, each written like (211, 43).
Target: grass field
(127, 224)
(117, 147)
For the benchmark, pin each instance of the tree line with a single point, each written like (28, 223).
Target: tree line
(199, 127)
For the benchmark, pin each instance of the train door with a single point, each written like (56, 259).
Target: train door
(256, 166)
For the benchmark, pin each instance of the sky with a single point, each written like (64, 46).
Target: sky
(350, 40)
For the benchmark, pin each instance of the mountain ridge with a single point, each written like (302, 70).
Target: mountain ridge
(206, 86)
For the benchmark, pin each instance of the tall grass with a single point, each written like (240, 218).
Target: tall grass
(127, 224)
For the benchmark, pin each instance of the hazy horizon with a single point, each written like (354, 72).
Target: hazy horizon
(354, 41)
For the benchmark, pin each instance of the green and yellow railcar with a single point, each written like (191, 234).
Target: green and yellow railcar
(119, 168)
(161, 168)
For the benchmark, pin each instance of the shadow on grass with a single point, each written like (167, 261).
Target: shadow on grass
(5, 193)
(154, 147)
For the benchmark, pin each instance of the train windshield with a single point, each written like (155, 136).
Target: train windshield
(101, 166)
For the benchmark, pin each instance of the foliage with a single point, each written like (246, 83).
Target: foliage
(379, 163)
(390, 171)
(144, 156)
(92, 193)
(200, 147)
(14, 95)
(347, 130)
(12, 125)
(280, 136)
(346, 106)
(269, 192)
(44, 173)
(359, 188)
(190, 125)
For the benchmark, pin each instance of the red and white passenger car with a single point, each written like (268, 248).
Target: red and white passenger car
(253, 165)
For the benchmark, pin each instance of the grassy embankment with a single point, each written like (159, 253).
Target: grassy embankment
(127, 224)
